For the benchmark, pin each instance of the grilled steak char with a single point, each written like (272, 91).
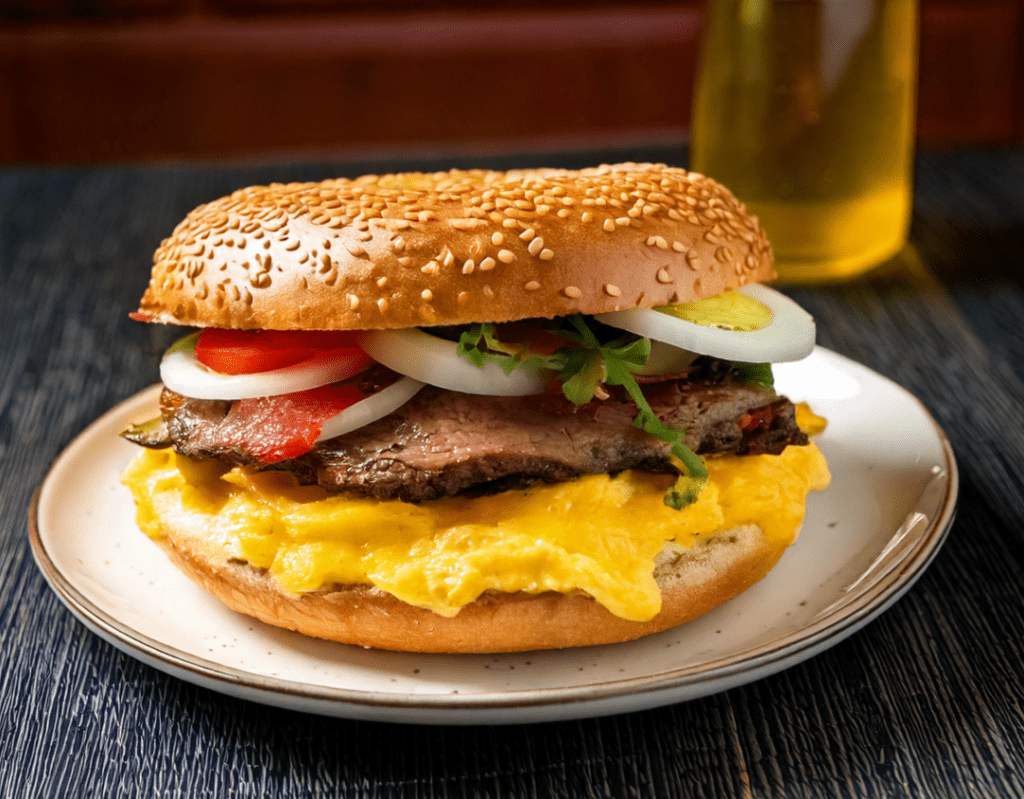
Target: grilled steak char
(442, 442)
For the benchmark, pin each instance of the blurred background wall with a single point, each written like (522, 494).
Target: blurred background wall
(86, 81)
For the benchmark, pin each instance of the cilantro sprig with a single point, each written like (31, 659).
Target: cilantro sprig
(582, 371)
(480, 346)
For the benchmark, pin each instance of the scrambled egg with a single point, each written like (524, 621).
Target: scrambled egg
(597, 534)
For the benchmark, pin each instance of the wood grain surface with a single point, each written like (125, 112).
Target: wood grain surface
(924, 702)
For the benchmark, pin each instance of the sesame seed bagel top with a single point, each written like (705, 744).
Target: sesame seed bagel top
(415, 249)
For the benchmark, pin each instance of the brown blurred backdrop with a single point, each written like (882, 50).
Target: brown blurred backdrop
(139, 80)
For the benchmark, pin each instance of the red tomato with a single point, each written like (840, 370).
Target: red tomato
(236, 352)
(286, 426)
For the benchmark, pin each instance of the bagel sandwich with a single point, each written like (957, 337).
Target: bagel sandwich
(475, 411)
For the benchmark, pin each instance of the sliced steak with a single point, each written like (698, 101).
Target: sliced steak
(442, 443)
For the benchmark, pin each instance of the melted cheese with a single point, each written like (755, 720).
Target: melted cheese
(597, 534)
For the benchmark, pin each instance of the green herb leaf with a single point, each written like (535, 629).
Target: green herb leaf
(684, 492)
(185, 343)
(759, 374)
(619, 359)
(468, 346)
(479, 346)
(583, 372)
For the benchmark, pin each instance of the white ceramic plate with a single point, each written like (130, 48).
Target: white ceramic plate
(865, 541)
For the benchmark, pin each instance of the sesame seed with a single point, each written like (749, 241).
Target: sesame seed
(533, 285)
(383, 303)
(356, 250)
(623, 221)
(546, 254)
(536, 245)
(678, 246)
(353, 302)
(487, 264)
(528, 234)
(586, 217)
(382, 282)
(497, 238)
(506, 256)
(405, 260)
(663, 276)
(612, 290)
(488, 292)
(427, 295)
(572, 292)
(609, 224)
(431, 268)
(509, 223)
(468, 267)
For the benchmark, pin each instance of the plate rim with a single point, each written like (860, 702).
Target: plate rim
(838, 624)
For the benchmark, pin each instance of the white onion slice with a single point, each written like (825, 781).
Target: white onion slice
(665, 360)
(789, 336)
(434, 360)
(372, 408)
(182, 372)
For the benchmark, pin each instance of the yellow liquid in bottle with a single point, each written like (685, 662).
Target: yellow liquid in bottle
(804, 109)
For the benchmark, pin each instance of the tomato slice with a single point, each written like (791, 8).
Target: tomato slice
(236, 352)
(285, 426)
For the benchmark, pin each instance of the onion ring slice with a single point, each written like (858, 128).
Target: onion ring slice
(371, 408)
(417, 354)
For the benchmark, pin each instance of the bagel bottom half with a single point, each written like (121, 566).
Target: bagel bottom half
(691, 582)
(649, 573)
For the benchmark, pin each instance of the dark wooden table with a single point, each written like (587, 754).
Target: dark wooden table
(926, 701)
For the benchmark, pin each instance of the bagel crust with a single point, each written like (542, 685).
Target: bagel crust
(406, 250)
(692, 582)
